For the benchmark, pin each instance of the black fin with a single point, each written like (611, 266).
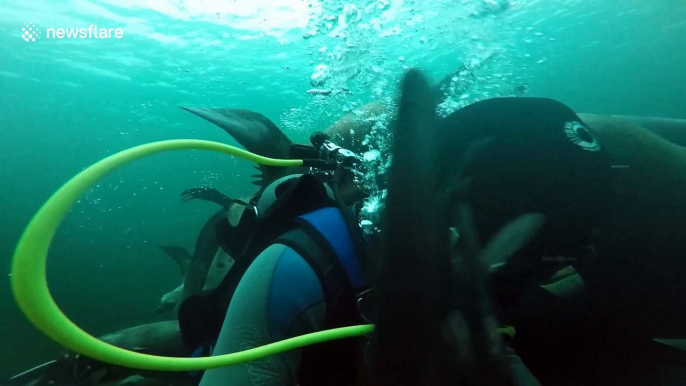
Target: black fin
(415, 261)
(435, 323)
(180, 255)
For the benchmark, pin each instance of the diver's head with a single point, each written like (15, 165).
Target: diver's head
(538, 157)
(333, 164)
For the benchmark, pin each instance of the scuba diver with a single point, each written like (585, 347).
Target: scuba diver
(306, 267)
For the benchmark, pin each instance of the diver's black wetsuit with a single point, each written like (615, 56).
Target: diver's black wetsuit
(536, 155)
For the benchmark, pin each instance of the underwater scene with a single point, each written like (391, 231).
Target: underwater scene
(325, 192)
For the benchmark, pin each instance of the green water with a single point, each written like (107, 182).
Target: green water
(66, 103)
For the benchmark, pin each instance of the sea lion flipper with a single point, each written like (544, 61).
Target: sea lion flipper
(255, 132)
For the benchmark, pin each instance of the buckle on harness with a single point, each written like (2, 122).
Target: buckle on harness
(254, 208)
(366, 306)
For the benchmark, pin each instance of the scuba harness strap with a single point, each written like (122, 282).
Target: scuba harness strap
(316, 251)
(334, 363)
(201, 316)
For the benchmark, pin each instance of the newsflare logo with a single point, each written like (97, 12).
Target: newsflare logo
(31, 33)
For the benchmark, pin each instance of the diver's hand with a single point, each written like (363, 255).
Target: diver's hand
(206, 194)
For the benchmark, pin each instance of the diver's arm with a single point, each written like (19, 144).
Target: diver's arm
(643, 145)
(673, 130)
(279, 297)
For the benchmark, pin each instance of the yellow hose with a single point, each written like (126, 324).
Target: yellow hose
(29, 282)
